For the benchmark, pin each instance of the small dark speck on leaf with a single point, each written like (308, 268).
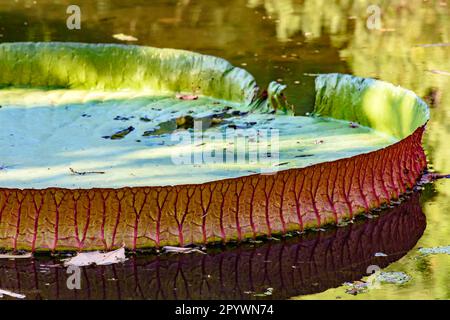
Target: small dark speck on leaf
(120, 118)
(238, 113)
(145, 119)
(120, 134)
(148, 133)
(79, 173)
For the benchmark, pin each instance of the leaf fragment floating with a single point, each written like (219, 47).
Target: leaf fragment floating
(183, 250)
(124, 37)
(96, 258)
(11, 294)
(440, 72)
(435, 250)
(356, 287)
(430, 177)
(16, 256)
(120, 134)
(380, 254)
(267, 293)
(395, 277)
(431, 45)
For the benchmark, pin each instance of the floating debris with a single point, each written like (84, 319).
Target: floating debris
(11, 294)
(124, 37)
(430, 177)
(253, 241)
(433, 97)
(168, 127)
(431, 45)
(184, 122)
(360, 286)
(145, 119)
(435, 250)
(16, 256)
(120, 118)
(84, 173)
(120, 134)
(171, 249)
(98, 258)
(343, 223)
(356, 287)
(393, 277)
(380, 254)
(440, 72)
(267, 293)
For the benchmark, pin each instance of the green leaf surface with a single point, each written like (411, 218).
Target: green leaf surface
(70, 107)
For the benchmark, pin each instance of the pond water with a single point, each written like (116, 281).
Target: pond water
(288, 41)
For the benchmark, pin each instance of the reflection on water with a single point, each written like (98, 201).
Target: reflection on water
(298, 266)
(286, 40)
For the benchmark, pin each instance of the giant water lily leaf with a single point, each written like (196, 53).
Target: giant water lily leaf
(108, 144)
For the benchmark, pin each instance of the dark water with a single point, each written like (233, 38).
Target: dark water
(284, 40)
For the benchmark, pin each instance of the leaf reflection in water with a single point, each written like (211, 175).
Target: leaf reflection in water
(311, 263)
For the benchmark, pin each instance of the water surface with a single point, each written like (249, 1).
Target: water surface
(288, 40)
